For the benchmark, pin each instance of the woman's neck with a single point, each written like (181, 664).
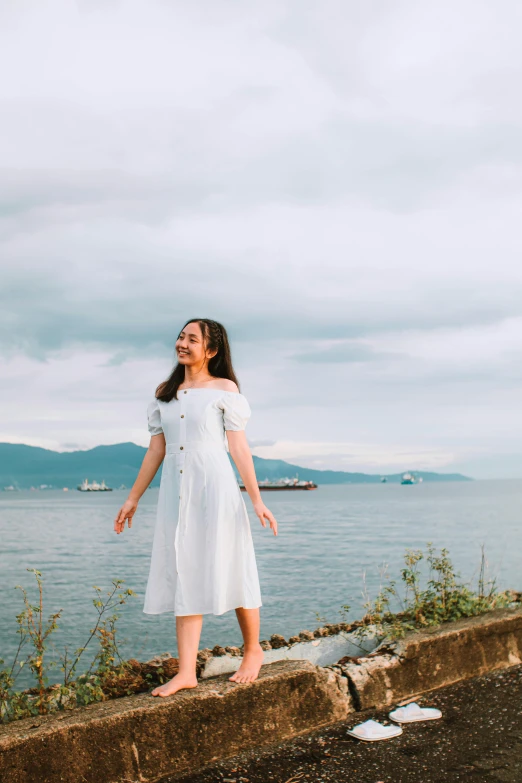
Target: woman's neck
(196, 379)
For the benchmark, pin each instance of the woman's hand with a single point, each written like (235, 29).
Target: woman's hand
(263, 512)
(127, 511)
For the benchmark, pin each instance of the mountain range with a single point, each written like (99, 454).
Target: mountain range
(25, 466)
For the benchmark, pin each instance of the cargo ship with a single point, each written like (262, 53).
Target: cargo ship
(94, 486)
(284, 483)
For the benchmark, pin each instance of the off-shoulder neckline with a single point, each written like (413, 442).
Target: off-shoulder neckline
(202, 388)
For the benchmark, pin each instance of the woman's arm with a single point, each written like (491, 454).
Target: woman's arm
(242, 456)
(149, 467)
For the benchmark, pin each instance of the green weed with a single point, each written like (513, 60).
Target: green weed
(441, 598)
(106, 667)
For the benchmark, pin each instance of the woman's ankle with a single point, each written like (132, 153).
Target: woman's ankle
(251, 647)
(186, 674)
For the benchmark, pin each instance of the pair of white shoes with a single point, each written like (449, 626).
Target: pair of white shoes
(372, 730)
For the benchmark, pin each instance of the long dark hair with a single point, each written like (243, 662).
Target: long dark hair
(215, 337)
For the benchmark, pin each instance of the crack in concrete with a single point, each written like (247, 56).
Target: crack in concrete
(141, 778)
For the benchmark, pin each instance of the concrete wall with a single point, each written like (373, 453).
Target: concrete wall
(423, 661)
(141, 738)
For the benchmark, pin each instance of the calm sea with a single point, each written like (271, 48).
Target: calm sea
(333, 544)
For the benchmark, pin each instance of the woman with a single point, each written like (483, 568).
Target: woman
(203, 559)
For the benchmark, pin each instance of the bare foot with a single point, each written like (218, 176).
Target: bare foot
(249, 669)
(176, 684)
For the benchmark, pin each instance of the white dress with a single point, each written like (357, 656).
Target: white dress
(203, 559)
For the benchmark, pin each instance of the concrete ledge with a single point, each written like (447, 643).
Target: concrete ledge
(321, 652)
(142, 738)
(421, 662)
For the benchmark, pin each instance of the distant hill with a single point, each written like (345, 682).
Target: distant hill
(30, 466)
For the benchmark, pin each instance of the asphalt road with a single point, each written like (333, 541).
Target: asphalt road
(478, 738)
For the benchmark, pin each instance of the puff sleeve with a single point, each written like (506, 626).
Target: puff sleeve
(236, 411)
(154, 418)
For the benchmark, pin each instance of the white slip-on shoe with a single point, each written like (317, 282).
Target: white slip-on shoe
(412, 712)
(372, 730)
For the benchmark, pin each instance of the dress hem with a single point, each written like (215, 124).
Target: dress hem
(208, 611)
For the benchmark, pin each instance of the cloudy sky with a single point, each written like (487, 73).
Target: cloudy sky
(338, 182)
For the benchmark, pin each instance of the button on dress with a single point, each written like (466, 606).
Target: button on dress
(203, 559)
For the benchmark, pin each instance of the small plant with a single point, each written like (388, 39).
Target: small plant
(342, 612)
(320, 619)
(443, 599)
(15, 704)
(32, 616)
(106, 666)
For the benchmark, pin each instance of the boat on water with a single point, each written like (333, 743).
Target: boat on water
(93, 486)
(408, 478)
(283, 483)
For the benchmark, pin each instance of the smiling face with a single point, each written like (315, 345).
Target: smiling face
(190, 348)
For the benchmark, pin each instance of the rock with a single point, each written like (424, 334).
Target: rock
(326, 650)
(220, 664)
(294, 640)
(114, 685)
(319, 632)
(265, 645)
(277, 641)
(306, 636)
(349, 659)
(170, 667)
(233, 650)
(333, 628)
(217, 650)
(158, 659)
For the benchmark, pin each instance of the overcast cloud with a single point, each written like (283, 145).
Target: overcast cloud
(339, 183)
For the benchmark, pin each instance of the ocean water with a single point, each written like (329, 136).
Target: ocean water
(333, 547)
